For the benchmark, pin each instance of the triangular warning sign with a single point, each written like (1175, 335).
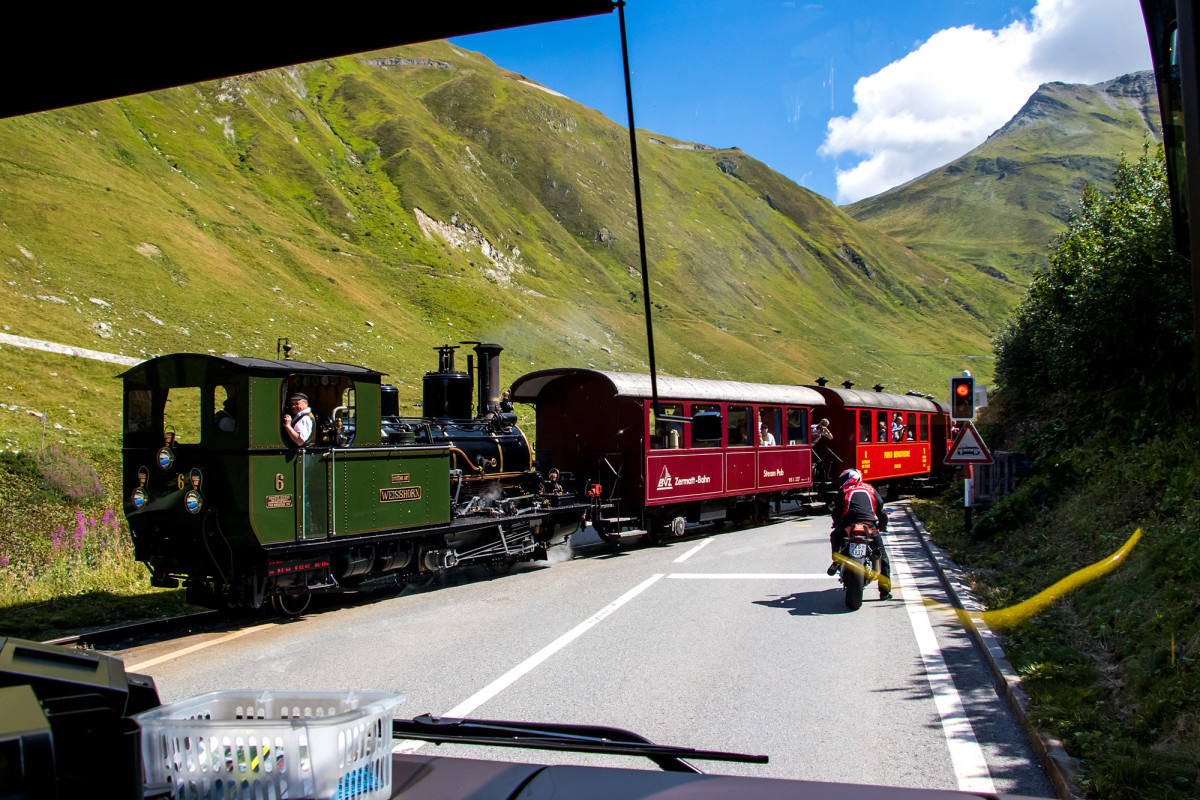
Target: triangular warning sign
(968, 448)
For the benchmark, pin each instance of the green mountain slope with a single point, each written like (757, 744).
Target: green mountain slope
(998, 207)
(369, 208)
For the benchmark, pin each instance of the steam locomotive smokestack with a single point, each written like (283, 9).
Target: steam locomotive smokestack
(489, 375)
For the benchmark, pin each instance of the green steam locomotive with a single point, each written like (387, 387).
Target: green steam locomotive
(221, 496)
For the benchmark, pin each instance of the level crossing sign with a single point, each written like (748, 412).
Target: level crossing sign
(968, 448)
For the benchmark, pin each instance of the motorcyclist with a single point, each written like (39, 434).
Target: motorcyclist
(857, 501)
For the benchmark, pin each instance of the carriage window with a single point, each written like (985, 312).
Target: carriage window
(910, 429)
(924, 427)
(224, 412)
(706, 425)
(881, 426)
(739, 426)
(864, 427)
(139, 411)
(769, 433)
(182, 414)
(668, 434)
(797, 426)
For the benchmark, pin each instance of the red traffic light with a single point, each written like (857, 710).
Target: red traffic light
(962, 398)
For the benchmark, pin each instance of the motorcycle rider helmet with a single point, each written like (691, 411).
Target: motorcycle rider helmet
(850, 475)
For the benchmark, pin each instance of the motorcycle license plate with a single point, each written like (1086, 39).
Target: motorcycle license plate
(858, 550)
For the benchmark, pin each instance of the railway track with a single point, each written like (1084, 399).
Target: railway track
(143, 632)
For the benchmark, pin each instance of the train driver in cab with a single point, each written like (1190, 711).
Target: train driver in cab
(299, 424)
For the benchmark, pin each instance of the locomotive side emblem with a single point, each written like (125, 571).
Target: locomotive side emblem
(664, 479)
(399, 495)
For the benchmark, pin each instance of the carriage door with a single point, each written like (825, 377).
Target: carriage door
(739, 457)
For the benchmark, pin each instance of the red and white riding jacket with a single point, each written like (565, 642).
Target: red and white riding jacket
(859, 502)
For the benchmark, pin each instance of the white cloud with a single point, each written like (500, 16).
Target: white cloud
(948, 95)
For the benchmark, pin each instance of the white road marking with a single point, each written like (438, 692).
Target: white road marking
(691, 552)
(966, 756)
(177, 653)
(751, 576)
(509, 678)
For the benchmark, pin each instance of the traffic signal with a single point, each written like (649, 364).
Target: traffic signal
(962, 399)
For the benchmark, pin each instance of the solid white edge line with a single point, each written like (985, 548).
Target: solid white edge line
(509, 678)
(176, 654)
(691, 552)
(966, 756)
(752, 576)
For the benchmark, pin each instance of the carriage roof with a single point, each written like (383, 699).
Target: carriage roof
(528, 388)
(855, 398)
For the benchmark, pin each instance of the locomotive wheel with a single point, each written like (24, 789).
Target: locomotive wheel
(291, 605)
(852, 579)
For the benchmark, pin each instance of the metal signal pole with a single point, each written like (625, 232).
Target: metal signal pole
(637, 199)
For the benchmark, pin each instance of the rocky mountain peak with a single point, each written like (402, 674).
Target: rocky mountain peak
(1052, 102)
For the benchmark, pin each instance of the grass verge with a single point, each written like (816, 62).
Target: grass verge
(1111, 669)
(66, 559)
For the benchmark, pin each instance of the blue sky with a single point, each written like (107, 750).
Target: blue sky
(845, 98)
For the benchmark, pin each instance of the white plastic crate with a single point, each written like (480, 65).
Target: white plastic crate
(272, 746)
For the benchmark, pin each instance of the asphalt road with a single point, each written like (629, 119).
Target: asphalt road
(727, 641)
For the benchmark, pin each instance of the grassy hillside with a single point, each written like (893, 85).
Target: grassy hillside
(998, 207)
(372, 207)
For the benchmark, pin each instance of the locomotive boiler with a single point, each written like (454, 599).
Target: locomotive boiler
(220, 499)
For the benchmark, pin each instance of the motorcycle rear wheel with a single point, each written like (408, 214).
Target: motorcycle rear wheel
(852, 580)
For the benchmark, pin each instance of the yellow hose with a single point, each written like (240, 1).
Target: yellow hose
(1004, 617)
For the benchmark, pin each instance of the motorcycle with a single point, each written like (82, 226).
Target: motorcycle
(859, 561)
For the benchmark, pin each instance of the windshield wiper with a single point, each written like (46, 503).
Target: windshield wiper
(551, 736)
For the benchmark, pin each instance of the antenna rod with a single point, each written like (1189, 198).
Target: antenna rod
(637, 198)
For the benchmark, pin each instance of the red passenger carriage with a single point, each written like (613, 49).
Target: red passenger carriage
(895, 440)
(717, 449)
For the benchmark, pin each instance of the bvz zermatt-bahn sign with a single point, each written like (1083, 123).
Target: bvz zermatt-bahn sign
(968, 448)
